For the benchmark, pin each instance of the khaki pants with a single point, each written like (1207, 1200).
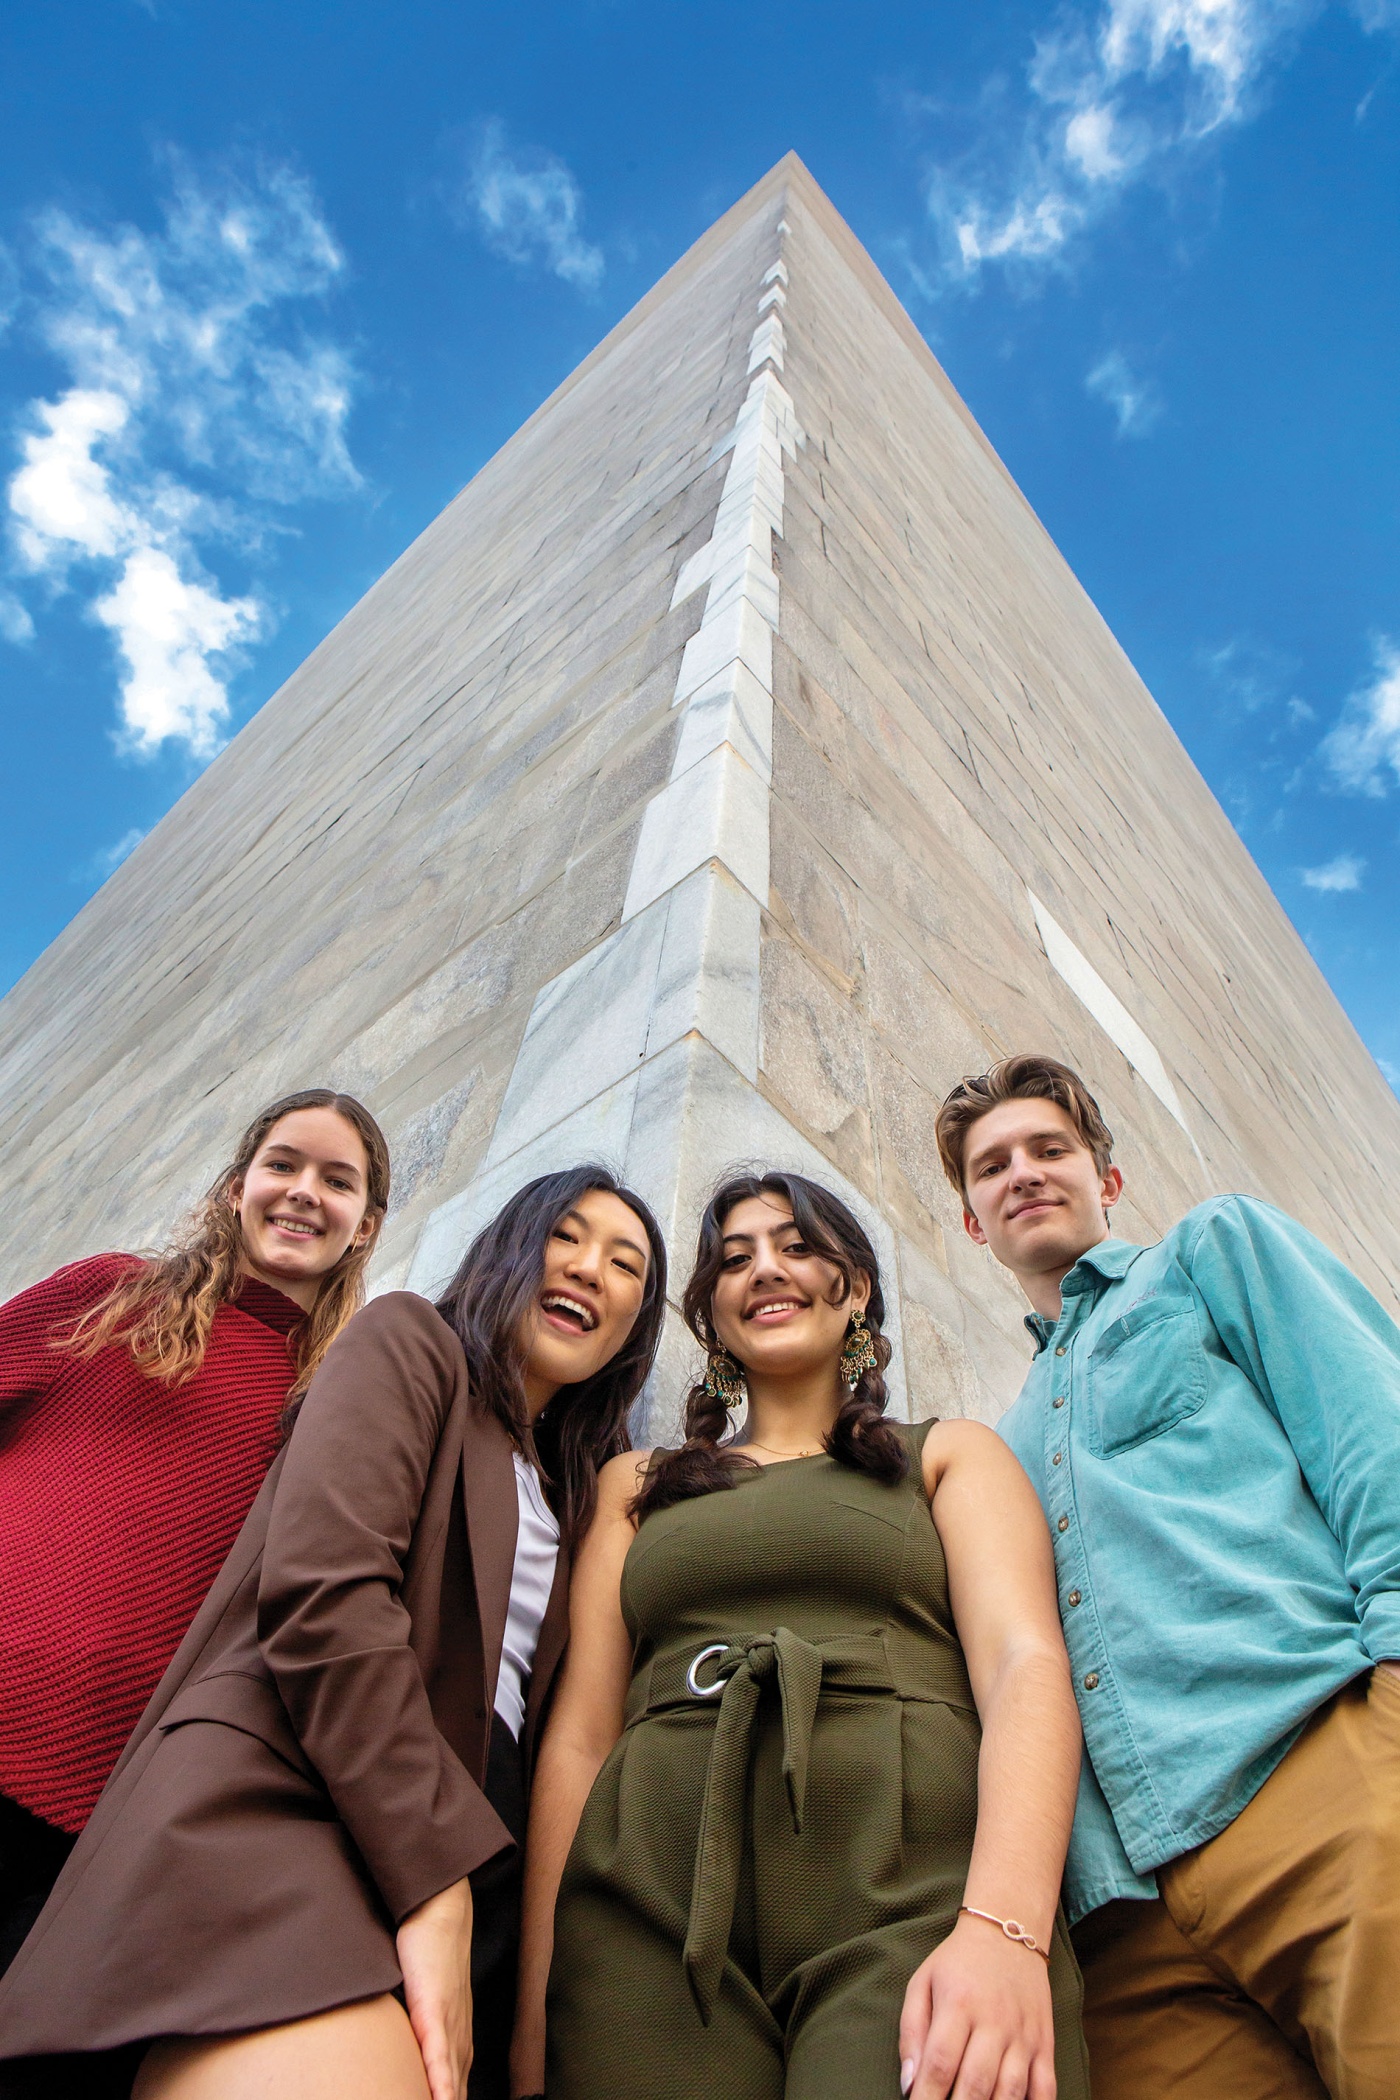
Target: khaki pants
(1269, 1967)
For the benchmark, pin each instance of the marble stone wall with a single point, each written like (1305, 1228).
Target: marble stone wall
(731, 766)
(435, 815)
(987, 837)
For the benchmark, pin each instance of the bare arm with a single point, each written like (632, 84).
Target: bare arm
(584, 1723)
(979, 2008)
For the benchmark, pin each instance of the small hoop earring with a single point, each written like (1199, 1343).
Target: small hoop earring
(858, 1350)
(724, 1381)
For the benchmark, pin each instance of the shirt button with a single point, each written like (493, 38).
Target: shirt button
(1091, 1682)
(1060, 1349)
(1056, 1459)
(1063, 1524)
(1074, 1597)
(1058, 1401)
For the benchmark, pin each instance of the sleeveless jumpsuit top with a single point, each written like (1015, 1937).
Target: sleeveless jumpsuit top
(782, 1833)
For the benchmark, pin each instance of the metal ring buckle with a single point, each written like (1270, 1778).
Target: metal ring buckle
(705, 1691)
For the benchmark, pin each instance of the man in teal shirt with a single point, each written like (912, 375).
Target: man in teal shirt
(1213, 1427)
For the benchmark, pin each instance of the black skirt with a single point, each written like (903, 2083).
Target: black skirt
(496, 1925)
(32, 1856)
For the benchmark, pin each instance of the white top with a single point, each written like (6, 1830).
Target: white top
(532, 1579)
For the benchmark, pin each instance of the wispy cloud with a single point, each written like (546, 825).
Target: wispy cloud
(194, 400)
(9, 287)
(16, 620)
(1107, 100)
(111, 857)
(527, 207)
(1252, 675)
(1343, 873)
(1365, 745)
(1135, 402)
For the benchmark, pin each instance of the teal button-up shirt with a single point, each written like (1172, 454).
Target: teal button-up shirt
(1213, 1428)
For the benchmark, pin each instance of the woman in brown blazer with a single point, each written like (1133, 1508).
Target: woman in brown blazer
(278, 1886)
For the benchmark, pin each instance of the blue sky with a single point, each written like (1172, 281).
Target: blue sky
(275, 281)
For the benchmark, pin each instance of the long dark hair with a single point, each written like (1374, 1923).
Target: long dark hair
(486, 1304)
(163, 1311)
(860, 1436)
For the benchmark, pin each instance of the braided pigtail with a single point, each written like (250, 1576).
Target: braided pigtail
(701, 1465)
(861, 1436)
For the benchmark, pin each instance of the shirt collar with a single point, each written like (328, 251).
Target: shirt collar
(1098, 1266)
(1111, 1259)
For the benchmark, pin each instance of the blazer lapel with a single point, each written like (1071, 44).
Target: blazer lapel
(554, 1636)
(493, 1518)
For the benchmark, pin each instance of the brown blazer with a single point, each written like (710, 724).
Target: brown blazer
(310, 1767)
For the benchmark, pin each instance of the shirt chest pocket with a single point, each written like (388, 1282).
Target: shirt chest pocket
(1146, 1372)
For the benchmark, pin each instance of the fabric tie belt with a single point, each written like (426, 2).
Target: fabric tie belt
(735, 1673)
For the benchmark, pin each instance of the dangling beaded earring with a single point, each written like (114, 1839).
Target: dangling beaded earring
(724, 1381)
(858, 1350)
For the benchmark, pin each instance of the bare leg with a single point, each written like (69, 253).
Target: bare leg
(364, 2051)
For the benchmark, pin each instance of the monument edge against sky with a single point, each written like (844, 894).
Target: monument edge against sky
(729, 767)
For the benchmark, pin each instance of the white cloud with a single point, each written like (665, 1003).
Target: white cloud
(1089, 143)
(167, 627)
(16, 622)
(1377, 15)
(528, 208)
(1135, 402)
(194, 400)
(9, 287)
(1222, 42)
(1253, 675)
(1343, 873)
(1107, 101)
(61, 499)
(111, 857)
(1366, 741)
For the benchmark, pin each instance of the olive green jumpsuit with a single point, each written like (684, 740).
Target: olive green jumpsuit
(782, 1833)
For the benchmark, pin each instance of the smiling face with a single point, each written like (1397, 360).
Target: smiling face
(778, 1307)
(596, 1263)
(1033, 1194)
(304, 1202)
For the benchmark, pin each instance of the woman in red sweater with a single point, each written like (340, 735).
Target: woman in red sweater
(141, 1402)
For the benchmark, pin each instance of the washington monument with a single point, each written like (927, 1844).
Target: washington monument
(733, 764)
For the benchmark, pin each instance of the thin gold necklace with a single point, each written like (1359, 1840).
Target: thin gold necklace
(773, 1451)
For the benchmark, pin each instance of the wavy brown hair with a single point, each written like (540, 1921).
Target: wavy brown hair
(487, 1303)
(162, 1311)
(1028, 1075)
(860, 1436)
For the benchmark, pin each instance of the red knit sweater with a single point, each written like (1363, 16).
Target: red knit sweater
(119, 1500)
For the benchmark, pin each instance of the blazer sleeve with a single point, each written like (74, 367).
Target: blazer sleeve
(331, 1624)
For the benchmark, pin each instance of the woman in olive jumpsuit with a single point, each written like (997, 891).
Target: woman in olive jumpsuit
(788, 1690)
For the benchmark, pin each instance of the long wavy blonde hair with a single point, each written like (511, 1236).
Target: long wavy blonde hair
(163, 1311)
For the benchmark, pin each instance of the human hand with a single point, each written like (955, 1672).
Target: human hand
(434, 1946)
(977, 2023)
